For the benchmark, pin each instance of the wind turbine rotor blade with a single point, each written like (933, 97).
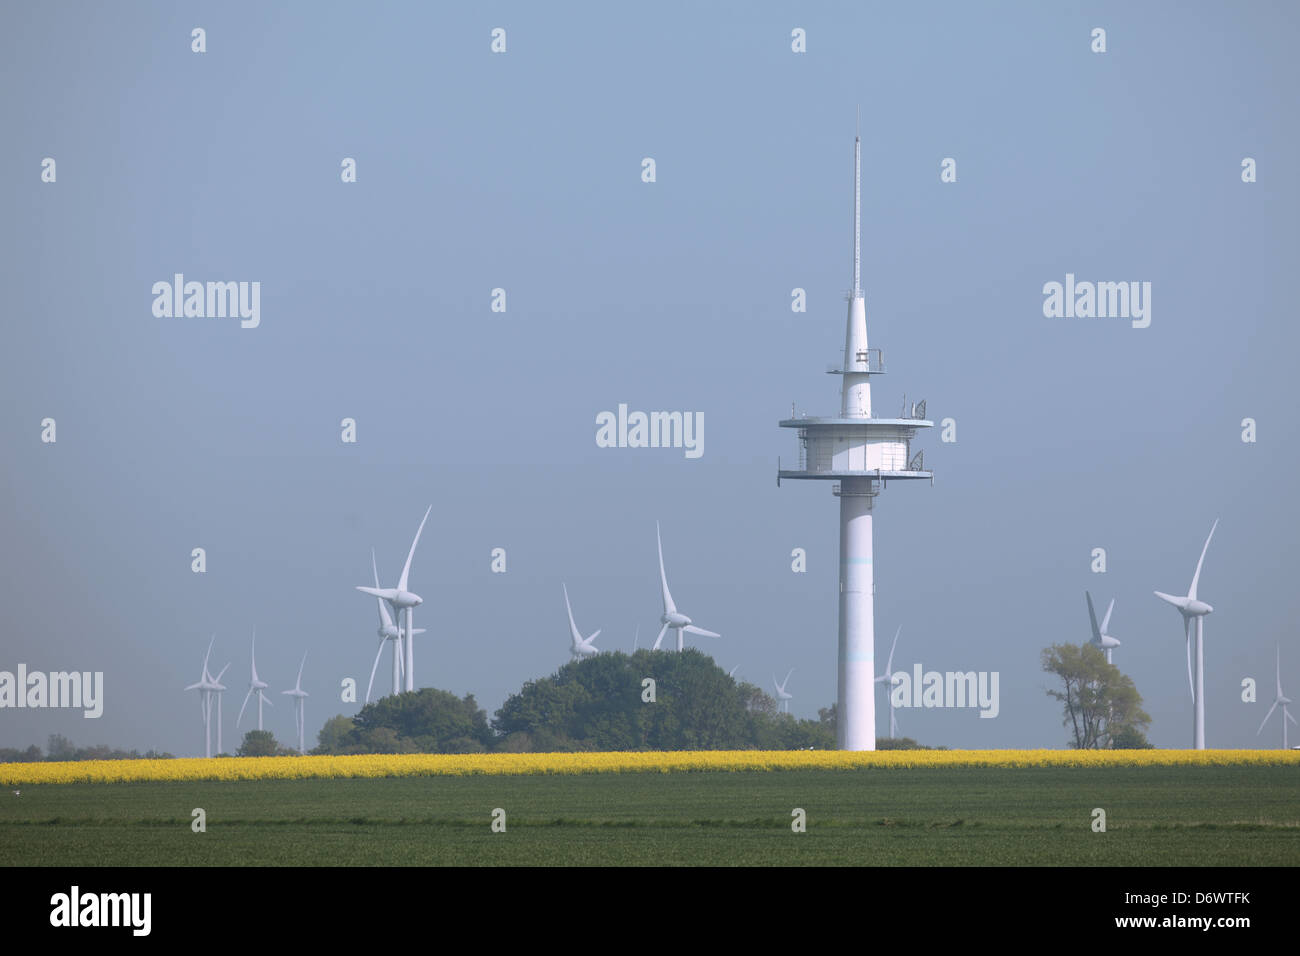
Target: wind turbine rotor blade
(1092, 617)
(385, 619)
(1279, 671)
(592, 636)
(217, 679)
(1105, 621)
(889, 665)
(669, 606)
(658, 640)
(573, 628)
(208, 654)
(298, 685)
(266, 700)
(1178, 602)
(374, 667)
(386, 593)
(247, 697)
(406, 569)
(692, 629)
(1265, 720)
(1288, 716)
(1191, 592)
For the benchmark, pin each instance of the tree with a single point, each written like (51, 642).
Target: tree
(1130, 738)
(599, 703)
(334, 736)
(258, 743)
(423, 721)
(1101, 704)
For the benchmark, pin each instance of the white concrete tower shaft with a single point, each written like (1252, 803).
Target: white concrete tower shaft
(856, 711)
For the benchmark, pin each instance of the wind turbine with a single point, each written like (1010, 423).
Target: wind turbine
(781, 695)
(255, 687)
(298, 694)
(1100, 638)
(400, 598)
(388, 631)
(1193, 609)
(580, 648)
(671, 617)
(732, 673)
(204, 685)
(636, 638)
(887, 678)
(216, 690)
(1279, 699)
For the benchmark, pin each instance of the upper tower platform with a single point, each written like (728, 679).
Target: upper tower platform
(856, 444)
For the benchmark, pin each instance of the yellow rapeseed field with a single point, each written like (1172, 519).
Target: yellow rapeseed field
(423, 765)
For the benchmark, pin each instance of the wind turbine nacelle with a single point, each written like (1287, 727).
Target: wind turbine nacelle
(390, 632)
(1197, 608)
(407, 599)
(674, 619)
(1108, 641)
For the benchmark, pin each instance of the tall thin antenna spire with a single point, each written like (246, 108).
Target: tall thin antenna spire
(857, 209)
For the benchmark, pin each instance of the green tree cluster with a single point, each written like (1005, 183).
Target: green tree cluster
(601, 703)
(423, 721)
(1102, 708)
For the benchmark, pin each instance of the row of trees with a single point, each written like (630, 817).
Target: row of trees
(612, 701)
(650, 701)
(647, 701)
(59, 747)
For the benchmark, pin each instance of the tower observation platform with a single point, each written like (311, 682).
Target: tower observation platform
(861, 454)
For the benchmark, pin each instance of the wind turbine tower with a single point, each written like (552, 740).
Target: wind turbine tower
(860, 453)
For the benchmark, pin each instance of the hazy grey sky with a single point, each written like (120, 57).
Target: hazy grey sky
(522, 171)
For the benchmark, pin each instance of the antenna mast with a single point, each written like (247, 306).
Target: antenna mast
(857, 209)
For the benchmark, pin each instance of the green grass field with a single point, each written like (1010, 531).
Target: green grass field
(1175, 816)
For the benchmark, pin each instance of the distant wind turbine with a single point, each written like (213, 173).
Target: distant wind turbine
(216, 690)
(388, 631)
(255, 687)
(1279, 699)
(1100, 637)
(299, 695)
(581, 647)
(782, 697)
(402, 599)
(1193, 609)
(204, 685)
(671, 616)
(887, 678)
